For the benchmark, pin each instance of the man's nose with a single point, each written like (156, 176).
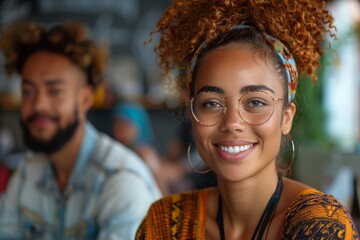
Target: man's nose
(40, 101)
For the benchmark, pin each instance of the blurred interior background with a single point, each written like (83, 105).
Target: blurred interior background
(326, 129)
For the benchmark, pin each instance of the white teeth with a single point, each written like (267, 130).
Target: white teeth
(235, 149)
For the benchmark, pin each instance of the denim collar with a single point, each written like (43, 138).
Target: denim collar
(48, 181)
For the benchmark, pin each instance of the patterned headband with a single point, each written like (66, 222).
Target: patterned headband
(281, 50)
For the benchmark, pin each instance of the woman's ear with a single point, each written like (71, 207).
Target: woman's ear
(288, 118)
(187, 97)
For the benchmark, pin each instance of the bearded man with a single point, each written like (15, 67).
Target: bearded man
(76, 183)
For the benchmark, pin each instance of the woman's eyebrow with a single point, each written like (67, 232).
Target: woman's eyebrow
(253, 88)
(210, 89)
(248, 88)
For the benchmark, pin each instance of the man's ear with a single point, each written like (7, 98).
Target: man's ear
(87, 97)
(288, 117)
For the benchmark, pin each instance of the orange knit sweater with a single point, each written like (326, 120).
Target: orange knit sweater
(312, 215)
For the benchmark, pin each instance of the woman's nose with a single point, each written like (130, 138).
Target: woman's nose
(232, 120)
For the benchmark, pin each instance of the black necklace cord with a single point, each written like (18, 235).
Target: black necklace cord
(265, 217)
(220, 220)
(270, 207)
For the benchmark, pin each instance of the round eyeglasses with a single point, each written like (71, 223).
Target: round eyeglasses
(255, 107)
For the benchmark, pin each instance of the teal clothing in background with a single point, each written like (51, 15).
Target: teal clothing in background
(137, 115)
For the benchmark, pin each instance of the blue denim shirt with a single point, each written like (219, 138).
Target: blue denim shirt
(108, 195)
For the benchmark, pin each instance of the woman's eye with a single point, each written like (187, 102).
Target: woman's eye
(210, 104)
(256, 103)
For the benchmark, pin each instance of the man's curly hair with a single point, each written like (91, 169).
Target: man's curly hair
(22, 39)
(299, 24)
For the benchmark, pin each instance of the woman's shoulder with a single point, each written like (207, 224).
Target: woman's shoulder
(174, 215)
(319, 215)
(317, 203)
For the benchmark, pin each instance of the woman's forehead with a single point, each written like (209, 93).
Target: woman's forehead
(234, 66)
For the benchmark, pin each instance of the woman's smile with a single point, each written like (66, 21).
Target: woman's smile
(234, 150)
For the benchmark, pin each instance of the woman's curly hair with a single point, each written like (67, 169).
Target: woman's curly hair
(22, 39)
(299, 24)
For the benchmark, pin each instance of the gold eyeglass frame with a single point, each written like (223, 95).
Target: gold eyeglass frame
(238, 108)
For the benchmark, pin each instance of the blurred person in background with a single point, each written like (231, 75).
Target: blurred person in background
(4, 177)
(133, 127)
(6, 146)
(75, 183)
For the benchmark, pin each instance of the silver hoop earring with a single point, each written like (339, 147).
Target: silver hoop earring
(192, 166)
(293, 150)
(286, 170)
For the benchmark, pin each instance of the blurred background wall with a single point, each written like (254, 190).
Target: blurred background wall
(327, 126)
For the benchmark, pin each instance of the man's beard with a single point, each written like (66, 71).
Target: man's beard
(60, 138)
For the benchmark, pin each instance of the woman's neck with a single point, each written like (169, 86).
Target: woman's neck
(244, 202)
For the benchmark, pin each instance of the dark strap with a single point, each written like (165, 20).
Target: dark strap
(265, 217)
(220, 220)
(355, 210)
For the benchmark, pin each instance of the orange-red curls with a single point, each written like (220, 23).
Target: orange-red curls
(299, 24)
